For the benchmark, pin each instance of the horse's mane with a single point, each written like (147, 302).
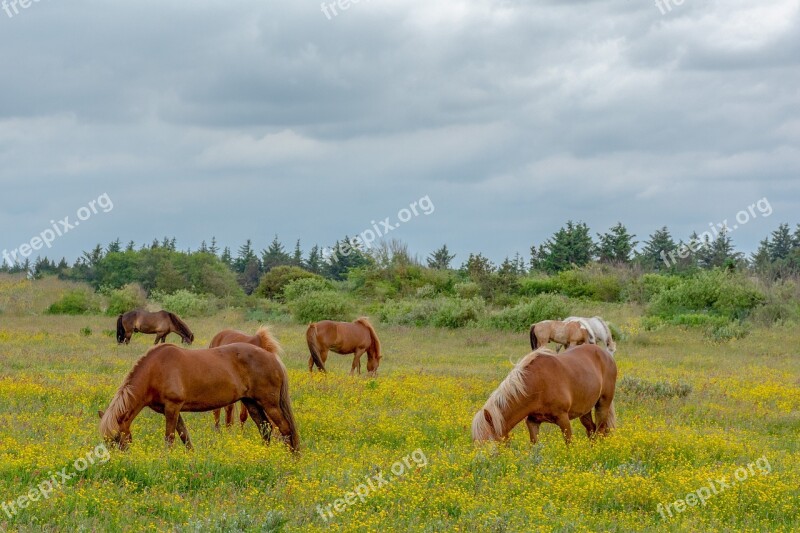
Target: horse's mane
(511, 388)
(268, 342)
(364, 321)
(181, 325)
(123, 400)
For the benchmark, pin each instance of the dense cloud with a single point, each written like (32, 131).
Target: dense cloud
(259, 118)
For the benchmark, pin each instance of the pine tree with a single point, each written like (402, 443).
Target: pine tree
(227, 258)
(441, 258)
(213, 248)
(315, 261)
(114, 246)
(244, 257)
(131, 246)
(203, 247)
(658, 253)
(616, 246)
(297, 257)
(570, 246)
(275, 255)
(781, 244)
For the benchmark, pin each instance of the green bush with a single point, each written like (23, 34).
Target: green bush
(641, 388)
(298, 287)
(467, 289)
(75, 302)
(698, 320)
(716, 292)
(644, 288)
(273, 282)
(128, 298)
(184, 303)
(325, 305)
(521, 316)
(531, 286)
(727, 332)
(440, 312)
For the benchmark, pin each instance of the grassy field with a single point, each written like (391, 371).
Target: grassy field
(692, 415)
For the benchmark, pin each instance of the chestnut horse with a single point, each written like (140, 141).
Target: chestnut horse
(262, 339)
(567, 334)
(162, 323)
(545, 387)
(169, 379)
(354, 337)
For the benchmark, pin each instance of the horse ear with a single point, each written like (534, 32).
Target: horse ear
(100, 414)
(488, 417)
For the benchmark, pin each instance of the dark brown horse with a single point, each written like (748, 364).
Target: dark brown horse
(263, 339)
(545, 387)
(162, 323)
(344, 338)
(170, 379)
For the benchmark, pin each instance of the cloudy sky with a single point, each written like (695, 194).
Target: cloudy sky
(250, 118)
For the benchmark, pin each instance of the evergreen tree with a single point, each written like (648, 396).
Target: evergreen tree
(131, 246)
(570, 246)
(441, 258)
(275, 255)
(315, 261)
(616, 246)
(213, 248)
(346, 255)
(227, 258)
(115, 246)
(658, 253)
(203, 247)
(781, 244)
(245, 256)
(297, 257)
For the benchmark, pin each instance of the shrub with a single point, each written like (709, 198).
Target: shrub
(643, 289)
(298, 287)
(273, 282)
(325, 305)
(716, 292)
(185, 303)
(75, 302)
(128, 298)
(458, 312)
(726, 332)
(594, 282)
(641, 388)
(531, 286)
(267, 311)
(467, 289)
(698, 320)
(441, 312)
(521, 316)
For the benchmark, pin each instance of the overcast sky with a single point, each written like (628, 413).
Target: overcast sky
(250, 118)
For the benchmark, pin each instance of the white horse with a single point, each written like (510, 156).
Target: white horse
(599, 332)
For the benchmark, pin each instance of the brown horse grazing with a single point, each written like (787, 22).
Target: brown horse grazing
(545, 387)
(354, 337)
(567, 334)
(162, 323)
(170, 379)
(262, 339)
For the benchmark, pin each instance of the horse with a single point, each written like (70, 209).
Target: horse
(599, 332)
(545, 387)
(564, 333)
(162, 323)
(169, 379)
(262, 339)
(354, 337)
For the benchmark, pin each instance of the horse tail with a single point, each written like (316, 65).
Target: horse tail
(611, 421)
(534, 340)
(183, 329)
(376, 343)
(311, 338)
(285, 405)
(267, 341)
(120, 330)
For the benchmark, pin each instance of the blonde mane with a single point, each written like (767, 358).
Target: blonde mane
(511, 388)
(268, 342)
(123, 400)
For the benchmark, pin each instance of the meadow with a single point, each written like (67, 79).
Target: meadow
(692, 414)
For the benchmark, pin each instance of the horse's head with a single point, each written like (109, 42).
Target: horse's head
(483, 429)
(120, 436)
(373, 362)
(187, 339)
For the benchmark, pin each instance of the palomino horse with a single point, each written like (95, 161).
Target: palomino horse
(262, 339)
(599, 332)
(162, 323)
(568, 334)
(343, 338)
(169, 379)
(545, 387)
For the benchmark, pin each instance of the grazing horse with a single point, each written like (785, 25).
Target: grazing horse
(599, 332)
(162, 323)
(354, 337)
(545, 387)
(262, 339)
(169, 379)
(568, 334)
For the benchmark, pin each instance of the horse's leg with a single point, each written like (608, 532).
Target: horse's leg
(229, 415)
(558, 347)
(172, 411)
(601, 414)
(587, 422)
(242, 414)
(356, 361)
(259, 417)
(156, 342)
(217, 412)
(276, 415)
(566, 427)
(533, 429)
(183, 433)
